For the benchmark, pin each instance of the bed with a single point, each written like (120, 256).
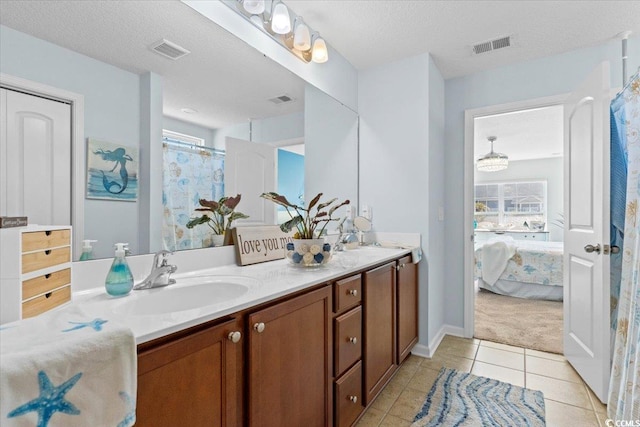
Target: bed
(532, 269)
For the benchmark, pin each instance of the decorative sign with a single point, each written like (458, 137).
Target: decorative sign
(260, 244)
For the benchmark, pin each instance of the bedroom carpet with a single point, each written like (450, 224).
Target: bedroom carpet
(534, 324)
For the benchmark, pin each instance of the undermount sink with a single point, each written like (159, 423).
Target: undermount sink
(186, 294)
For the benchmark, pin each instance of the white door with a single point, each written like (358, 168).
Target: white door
(586, 212)
(35, 158)
(250, 170)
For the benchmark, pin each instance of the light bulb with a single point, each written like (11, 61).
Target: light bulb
(319, 53)
(301, 36)
(280, 21)
(254, 7)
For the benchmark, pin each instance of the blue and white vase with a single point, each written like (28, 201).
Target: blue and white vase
(308, 252)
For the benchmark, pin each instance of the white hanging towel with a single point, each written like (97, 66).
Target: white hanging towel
(66, 368)
(495, 256)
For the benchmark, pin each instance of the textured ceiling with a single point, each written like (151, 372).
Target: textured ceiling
(370, 33)
(224, 79)
(229, 82)
(522, 135)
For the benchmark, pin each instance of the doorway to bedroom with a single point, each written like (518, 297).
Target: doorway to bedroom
(518, 227)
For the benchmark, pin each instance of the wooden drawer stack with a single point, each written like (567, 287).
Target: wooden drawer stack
(347, 348)
(35, 270)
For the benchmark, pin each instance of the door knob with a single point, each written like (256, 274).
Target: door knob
(615, 249)
(259, 327)
(591, 248)
(235, 336)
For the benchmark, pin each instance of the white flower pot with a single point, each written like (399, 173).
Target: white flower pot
(308, 252)
(218, 239)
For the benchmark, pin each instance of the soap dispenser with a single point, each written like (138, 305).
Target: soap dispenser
(119, 281)
(87, 250)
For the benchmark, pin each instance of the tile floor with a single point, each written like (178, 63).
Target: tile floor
(568, 401)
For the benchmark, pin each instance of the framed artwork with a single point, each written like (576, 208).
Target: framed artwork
(112, 171)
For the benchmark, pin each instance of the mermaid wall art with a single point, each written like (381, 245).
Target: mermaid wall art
(112, 171)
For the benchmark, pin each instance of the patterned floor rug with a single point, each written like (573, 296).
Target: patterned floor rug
(461, 399)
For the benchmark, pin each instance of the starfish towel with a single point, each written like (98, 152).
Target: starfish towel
(64, 368)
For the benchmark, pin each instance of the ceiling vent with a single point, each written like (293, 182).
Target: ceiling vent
(169, 50)
(282, 99)
(491, 45)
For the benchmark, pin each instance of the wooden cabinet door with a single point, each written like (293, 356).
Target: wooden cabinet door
(407, 296)
(379, 328)
(195, 380)
(290, 362)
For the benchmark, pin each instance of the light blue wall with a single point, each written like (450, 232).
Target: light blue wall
(112, 113)
(436, 194)
(330, 149)
(278, 128)
(290, 176)
(401, 136)
(175, 125)
(553, 75)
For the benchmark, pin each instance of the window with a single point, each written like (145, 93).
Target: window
(511, 202)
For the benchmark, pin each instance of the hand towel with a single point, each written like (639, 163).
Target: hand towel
(67, 368)
(495, 256)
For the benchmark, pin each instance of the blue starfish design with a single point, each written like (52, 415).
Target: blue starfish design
(96, 324)
(130, 417)
(50, 401)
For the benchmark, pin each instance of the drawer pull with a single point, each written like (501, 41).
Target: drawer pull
(46, 276)
(353, 399)
(353, 292)
(48, 295)
(259, 327)
(47, 233)
(353, 340)
(235, 336)
(47, 252)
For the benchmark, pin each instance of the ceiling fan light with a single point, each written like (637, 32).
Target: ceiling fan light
(319, 53)
(254, 7)
(301, 36)
(280, 21)
(492, 161)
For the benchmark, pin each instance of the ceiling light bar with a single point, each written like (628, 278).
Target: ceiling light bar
(285, 27)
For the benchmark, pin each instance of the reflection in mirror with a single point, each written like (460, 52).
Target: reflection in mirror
(221, 91)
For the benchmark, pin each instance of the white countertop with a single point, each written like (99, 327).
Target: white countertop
(266, 282)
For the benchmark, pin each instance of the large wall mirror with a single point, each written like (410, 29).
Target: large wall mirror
(222, 90)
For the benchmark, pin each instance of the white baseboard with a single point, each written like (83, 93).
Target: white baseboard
(429, 350)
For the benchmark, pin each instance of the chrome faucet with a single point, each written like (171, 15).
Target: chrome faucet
(160, 271)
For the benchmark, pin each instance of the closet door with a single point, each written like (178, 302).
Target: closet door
(35, 158)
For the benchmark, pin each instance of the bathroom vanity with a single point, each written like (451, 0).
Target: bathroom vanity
(315, 356)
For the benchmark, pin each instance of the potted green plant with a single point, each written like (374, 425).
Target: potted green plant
(219, 216)
(309, 248)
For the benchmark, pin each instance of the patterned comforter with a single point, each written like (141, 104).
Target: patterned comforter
(534, 262)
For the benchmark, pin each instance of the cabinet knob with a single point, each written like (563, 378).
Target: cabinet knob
(353, 340)
(353, 292)
(235, 336)
(353, 399)
(259, 327)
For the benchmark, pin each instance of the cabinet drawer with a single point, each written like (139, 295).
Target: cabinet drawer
(45, 239)
(45, 283)
(37, 260)
(348, 339)
(348, 400)
(347, 293)
(46, 302)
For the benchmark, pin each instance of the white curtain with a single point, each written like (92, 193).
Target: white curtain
(624, 389)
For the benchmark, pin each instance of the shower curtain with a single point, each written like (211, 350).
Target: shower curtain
(624, 388)
(190, 173)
